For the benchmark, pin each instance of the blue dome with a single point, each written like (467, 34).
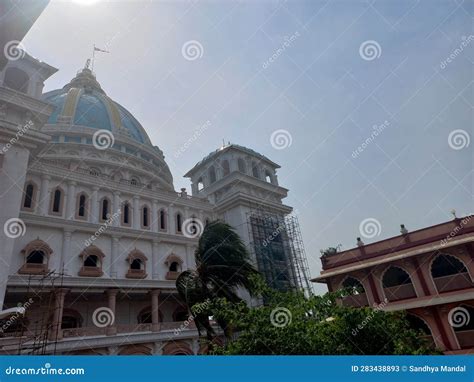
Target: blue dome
(82, 102)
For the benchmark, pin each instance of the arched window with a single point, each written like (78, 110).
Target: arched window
(94, 172)
(28, 196)
(57, 202)
(162, 220)
(145, 217)
(37, 255)
(105, 209)
(461, 319)
(200, 184)
(268, 176)
(81, 206)
(134, 182)
(241, 165)
(71, 319)
(418, 324)
(180, 314)
(92, 260)
(397, 284)
(136, 264)
(179, 223)
(174, 264)
(212, 174)
(449, 274)
(353, 286)
(145, 316)
(446, 265)
(174, 267)
(137, 268)
(255, 170)
(16, 79)
(126, 214)
(225, 167)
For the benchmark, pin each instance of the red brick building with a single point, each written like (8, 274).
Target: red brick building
(428, 272)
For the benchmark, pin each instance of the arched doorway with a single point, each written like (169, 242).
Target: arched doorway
(449, 273)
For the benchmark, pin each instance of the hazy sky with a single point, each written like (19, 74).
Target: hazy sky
(338, 69)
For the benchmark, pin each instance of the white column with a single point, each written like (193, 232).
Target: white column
(114, 256)
(66, 250)
(190, 261)
(154, 260)
(44, 195)
(171, 219)
(95, 205)
(116, 209)
(154, 216)
(136, 212)
(71, 200)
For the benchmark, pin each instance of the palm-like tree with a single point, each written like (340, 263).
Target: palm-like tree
(222, 266)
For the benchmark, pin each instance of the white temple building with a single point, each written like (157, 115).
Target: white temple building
(94, 233)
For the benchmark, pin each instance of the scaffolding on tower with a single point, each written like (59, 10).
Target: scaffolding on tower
(277, 246)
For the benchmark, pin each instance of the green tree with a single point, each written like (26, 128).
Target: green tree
(290, 323)
(222, 266)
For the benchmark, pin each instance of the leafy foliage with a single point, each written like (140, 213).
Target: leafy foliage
(317, 325)
(222, 266)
